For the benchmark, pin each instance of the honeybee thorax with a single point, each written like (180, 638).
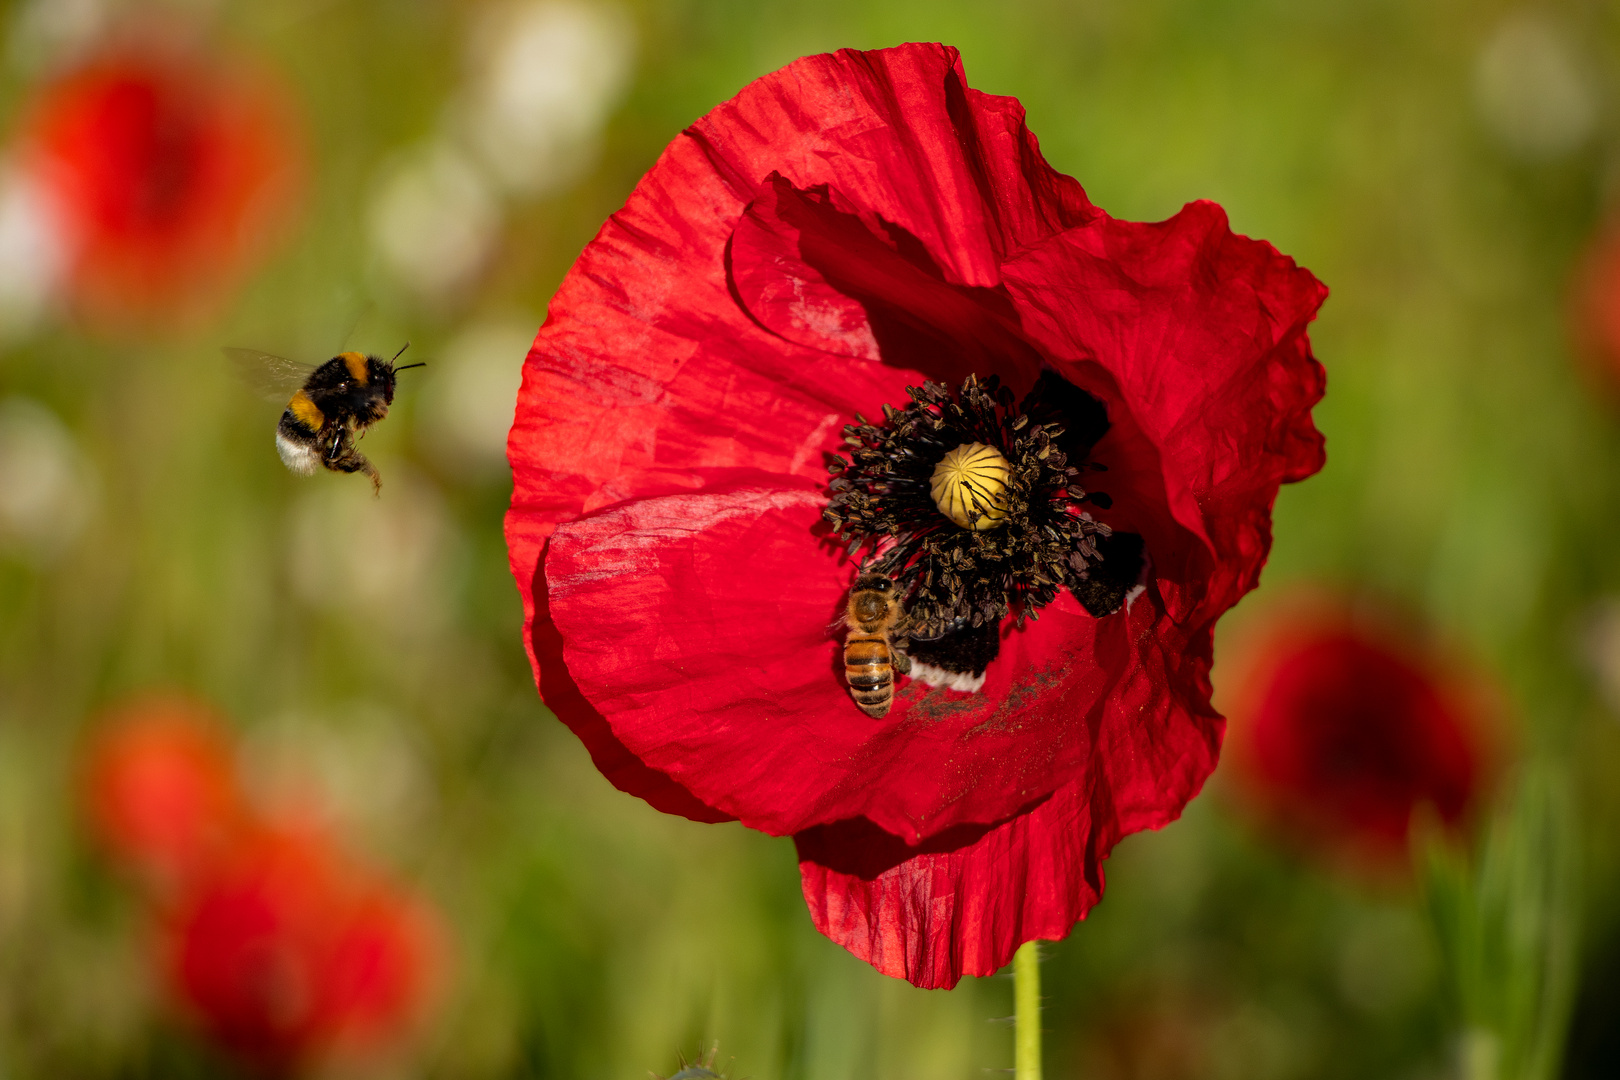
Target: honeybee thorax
(869, 609)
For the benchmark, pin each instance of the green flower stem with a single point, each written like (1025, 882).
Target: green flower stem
(1027, 1011)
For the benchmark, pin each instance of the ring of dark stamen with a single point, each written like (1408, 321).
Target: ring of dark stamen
(954, 577)
(1106, 585)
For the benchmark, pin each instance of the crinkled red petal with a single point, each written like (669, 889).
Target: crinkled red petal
(704, 628)
(816, 270)
(1204, 333)
(962, 902)
(622, 769)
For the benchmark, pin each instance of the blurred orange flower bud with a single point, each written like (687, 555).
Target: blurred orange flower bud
(287, 953)
(160, 788)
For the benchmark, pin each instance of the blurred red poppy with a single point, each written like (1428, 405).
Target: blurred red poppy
(283, 948)
(1343, 727)
(286, 953)
(160, 788)
(1156, 1032)
(171, 169)
(842, 233)
(1595, 306)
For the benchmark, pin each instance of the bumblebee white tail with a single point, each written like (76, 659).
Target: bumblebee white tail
(300, 458)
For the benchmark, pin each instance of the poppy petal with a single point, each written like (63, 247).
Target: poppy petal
(174, 171)
(812, 268)
(612, 759)
(962, 902)
(702, 627)
(1204, 332)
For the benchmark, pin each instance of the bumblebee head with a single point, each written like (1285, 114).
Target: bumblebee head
(380, 377)
(381, 373)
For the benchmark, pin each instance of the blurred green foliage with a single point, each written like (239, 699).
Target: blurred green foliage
(1508, 932)
(1472, 478)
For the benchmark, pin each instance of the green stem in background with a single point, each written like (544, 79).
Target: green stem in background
(1507, 921)
(1027, 1012)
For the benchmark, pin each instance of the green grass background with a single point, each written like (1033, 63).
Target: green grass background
(1471, 479)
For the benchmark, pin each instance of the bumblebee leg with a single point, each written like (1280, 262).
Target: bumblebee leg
(370, 470)
(349, 459)
(337, 443)
(355, 461)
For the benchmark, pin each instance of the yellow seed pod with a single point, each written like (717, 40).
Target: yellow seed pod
(974, 473)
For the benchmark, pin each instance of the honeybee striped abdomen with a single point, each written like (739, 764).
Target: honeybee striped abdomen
(869, 669)
(870, 658)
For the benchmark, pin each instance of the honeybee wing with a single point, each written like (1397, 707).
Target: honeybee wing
(272, 377)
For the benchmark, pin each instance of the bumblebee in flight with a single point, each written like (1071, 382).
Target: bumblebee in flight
(329, 409)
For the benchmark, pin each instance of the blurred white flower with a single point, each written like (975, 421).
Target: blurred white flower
(545, 77)
(434, 221)
(1532, 88)
(47, 488)
(381, 558)
(1600, 644)
(34, 251)
(355, 767)
(466, 408)
(43, 30)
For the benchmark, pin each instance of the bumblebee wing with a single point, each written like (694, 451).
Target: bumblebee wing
(272, 377)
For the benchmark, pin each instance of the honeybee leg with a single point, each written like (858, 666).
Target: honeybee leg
(902, 662)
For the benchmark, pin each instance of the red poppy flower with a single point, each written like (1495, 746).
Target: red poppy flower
(285, 954)
(862, 235)
(160, 789)
(1595, 307)
(170, 170)
(1343, 728)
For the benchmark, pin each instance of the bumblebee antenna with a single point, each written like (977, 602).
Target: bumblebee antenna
(404, 367)
(401, 352)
